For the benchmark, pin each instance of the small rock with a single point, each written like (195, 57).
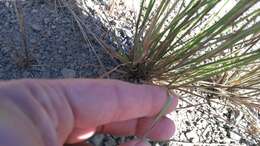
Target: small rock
(128, 32)
(53, 26)
(65, 20)
(68, 73)
(36, 27)
(46, 21)
(60, 51)
(34, 11)
(7, 4)
(43, 5)
(33, 40)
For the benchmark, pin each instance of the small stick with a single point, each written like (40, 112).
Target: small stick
(18, 11)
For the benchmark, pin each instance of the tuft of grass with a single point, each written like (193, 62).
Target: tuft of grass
(197, 44)
(179, 43)
(182, 44)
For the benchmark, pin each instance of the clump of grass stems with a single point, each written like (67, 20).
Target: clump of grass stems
(180, 43)
(168, 48)
(200, 44)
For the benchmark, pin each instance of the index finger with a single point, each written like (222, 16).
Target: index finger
(98, 102)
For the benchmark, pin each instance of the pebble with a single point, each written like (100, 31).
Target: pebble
(53, 26)
(34, 11)
(65, 20)
(46, 21)
(60, 51)
(68, 73)
(33, 40)
(128, 32)
(7, 4)
(36, 27)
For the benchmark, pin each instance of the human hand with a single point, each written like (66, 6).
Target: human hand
(54, 112)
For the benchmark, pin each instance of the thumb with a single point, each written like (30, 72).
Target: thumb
(136, 143)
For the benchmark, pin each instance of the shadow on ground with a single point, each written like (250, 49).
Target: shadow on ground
(51, 45)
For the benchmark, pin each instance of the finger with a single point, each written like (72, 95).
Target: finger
(163, 130)
(90, 103)
(98, 102)
(136, 143)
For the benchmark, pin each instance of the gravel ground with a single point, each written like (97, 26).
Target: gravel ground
(57, 49)
(54, 42)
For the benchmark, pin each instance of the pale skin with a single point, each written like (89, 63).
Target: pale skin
(55, 112)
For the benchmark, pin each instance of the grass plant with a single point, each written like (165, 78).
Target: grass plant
(204, 45)
(182, 42)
